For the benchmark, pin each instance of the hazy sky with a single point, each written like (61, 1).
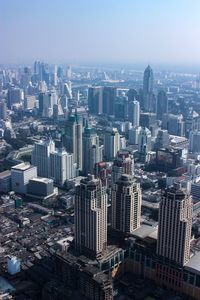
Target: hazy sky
(116, 31)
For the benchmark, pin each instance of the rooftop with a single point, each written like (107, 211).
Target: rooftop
(22, 167)
(5, 174)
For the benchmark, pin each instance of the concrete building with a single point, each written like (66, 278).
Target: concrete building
(174, 124)
(195, 191)
(5, 181)
(3, 110)
(41, 157)
(73, 142)
(40, 187)
(162, 104)
(144, 143)
(111, 143)
(123, 164)
(148, 96)
(92, 151)
(126, 204)
(175, 224)
(61, 166)
(134, 113)
(20, 176)
(194, 141)
(91, 217)
(95, 100)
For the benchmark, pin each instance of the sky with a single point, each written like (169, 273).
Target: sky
(100, 31)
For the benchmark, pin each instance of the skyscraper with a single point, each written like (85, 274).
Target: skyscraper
(91, 217)
(61, 166)
(41, 157)
(123, 164)
(111, 143)
(73, 140)
(162, 104)
(3, 110)
(144, 143)
(194, 141)
(126, 204)
(134, 113)
(148, 97)
(92, 151)
(46, 102)
(95, 100)
(175, 223)
(109, 97)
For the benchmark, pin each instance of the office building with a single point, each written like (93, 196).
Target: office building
(111, 143)
(92, 151)
(20, 176)
(29, 102)
(144, 144)
(109, 97)
(174, 124)
(91, 217)
(73, 138)
(195, 191)
(41, 157)
(126, 204)
(194, 141)
(162, 139)
(61, 166)
(123, 164)
(148, 96)
(133, 135)
(45, 105)
(134, 113)
(162, 104)
(5, 181)
(3, 110)
(95, 100)
(14, 96)
(40, 187)
(175, 224)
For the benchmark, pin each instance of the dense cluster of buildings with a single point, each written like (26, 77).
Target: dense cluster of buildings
(113, 171)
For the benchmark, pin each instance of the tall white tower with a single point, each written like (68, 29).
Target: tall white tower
(41, 157)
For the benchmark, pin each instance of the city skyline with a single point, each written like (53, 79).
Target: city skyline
(100, 32)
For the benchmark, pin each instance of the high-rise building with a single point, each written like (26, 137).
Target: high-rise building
(162, 104)
(134, 113)
(111, 143)
(46, 102)
(144, 143)
(14, 96)
(123, 164)
(174, 124)
(41, 157)
(109, 97)
(148, 96)
(92, 151)
(73, 130)
(91, 217)
(61, 166)
(3, 110)
(126, 204)
(194, 142)
(175, 223)
(20, 176)
(133, 135)
(95, 100)
(162, 139)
